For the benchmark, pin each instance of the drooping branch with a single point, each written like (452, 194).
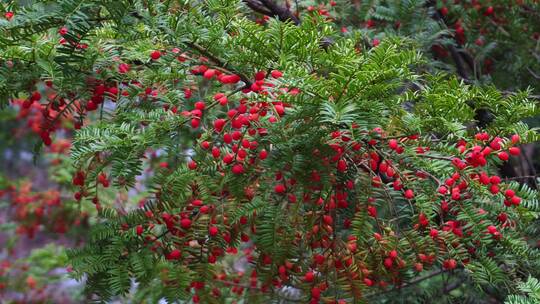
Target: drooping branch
(409, 284)
(223, 65)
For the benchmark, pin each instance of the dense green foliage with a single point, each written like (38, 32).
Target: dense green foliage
(288, 158)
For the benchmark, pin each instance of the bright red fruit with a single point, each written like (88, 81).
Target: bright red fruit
(279, 188)
(174, 255)
(213, 231)
(238, 169)
(276, 74)
(215, 152)
(155, 55)
(219, 123)
(309, 277)
(123, 68)
(514, 151)
(409, 194)
(185, 223)
(192, 165)
(200, 105)
(342, 165)
(444, 11)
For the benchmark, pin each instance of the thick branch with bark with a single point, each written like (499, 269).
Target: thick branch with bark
(271, 8)
(458, 57)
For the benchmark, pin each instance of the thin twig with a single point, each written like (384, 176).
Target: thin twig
(411, 283)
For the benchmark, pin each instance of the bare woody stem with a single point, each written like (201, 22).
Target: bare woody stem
(271, 8)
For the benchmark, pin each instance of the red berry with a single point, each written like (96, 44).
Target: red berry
(200, 105)
(309, 277)
(27, 103)
(409, 194)
(36, 96)
(205, 145)
(280, 110)
(276, 74)
(449, 264)
(388, 262)
(139, 229)
(316, 292)
(185, 223)
(279, 188)
(260, 75)
(228, 158)
(495, 180)
(213, 231)
(514, 151)
(263, 154)
(238, 169)
(63, 30)
(155, 55)
(208, 74)
(342, 165)
(444, 11)
(195, 122)
(192, 165)
(174, 255)
(509, 193)
(372, 211)
(215, 152)
(503, 156)
(123, 68)
(327, 219)
(442, 190)
(219, 123)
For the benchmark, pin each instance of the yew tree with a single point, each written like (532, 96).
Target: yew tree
(265, 151)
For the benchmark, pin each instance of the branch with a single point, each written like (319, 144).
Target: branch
(536, 76)
(219, 62)
(258, 7)
(458, 60)
(456, 55)
(507, 93)
(411, 283)
(270, 8)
